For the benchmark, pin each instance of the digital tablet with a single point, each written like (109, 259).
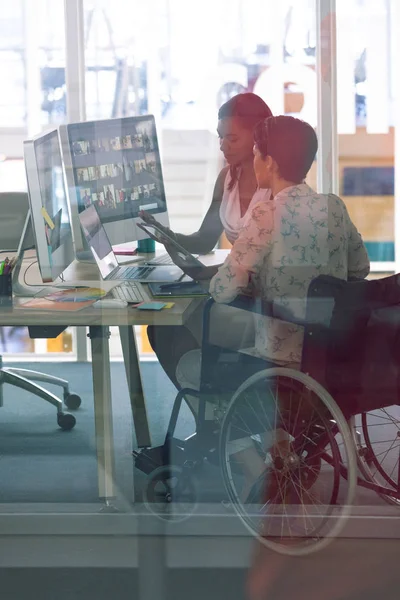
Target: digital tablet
(185, 258)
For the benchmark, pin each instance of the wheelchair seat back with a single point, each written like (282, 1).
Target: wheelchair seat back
(351, 344)
(352, 341)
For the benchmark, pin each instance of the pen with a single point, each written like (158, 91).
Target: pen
(176, 284)
(12, 263)
(8, 266)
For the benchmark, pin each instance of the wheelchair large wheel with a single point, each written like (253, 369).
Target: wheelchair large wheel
(292, 444)
(379, 451)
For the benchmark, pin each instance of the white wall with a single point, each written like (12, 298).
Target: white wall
(191, 161)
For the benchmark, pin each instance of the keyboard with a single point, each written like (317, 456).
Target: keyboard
(164, 259)
(130, 292)
(132, 272)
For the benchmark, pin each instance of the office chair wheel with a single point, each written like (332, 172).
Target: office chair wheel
(66, 421)
(170, 494)
(72, 401)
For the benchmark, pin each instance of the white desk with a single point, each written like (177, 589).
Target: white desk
(99, 322)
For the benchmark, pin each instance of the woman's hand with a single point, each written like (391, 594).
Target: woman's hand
(158, 237)
(196, 273)
(150, 220)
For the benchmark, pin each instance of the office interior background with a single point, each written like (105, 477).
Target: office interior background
(137, 58)
(180, 60)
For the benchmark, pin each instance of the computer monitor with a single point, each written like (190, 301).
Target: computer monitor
(49, 207)
(115, 165)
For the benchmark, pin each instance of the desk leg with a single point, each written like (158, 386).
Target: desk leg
(134, 379)
(103, 410)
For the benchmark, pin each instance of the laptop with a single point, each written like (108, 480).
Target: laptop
(106, 260)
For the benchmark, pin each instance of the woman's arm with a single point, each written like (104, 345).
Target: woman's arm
(205, 239)
(246, 257)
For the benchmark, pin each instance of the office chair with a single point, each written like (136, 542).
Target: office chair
(14, 208)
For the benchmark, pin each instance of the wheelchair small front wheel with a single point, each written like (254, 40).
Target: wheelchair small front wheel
(292, 444)
(170, 493)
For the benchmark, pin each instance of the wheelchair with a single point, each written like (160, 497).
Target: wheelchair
(338, 417)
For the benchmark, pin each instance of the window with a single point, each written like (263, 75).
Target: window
(12, 68)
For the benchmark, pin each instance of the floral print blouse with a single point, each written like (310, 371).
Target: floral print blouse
(285, 243)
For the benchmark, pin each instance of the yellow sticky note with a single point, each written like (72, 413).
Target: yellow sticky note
(47, 218)
(169, 304)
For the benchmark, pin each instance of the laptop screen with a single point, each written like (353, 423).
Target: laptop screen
(98, 241)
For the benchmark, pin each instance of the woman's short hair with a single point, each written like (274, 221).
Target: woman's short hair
(291, 142)
(248, 106)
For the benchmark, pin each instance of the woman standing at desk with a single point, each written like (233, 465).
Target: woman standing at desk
(235, 192)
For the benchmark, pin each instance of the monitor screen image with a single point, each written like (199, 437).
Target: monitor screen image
(49, 204)
(116, 166)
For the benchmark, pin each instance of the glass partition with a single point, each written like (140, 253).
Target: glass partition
(33, 98)
(104, 495)
(366, 124)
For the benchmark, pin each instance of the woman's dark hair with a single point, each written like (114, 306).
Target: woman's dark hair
(292, 143)
(250, 109)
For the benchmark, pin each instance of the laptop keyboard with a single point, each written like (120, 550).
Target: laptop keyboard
(164, 259)
(132, 272)
(130, 292)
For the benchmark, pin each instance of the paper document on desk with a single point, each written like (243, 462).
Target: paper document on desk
(77, 294)
(46, 305)
(214, 258)
(67, 300)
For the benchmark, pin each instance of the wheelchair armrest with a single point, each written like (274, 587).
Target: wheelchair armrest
(254, 305)
(244, 303)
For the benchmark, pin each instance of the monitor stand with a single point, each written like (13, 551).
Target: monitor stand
(24, 289)
(84, 254)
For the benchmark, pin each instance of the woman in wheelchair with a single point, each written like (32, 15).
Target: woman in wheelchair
(282, 407)
(289, 239)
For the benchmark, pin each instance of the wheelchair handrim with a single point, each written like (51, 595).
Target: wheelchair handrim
(325, 397)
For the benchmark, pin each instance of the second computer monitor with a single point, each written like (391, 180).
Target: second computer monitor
(48, 204)
(115, 165)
